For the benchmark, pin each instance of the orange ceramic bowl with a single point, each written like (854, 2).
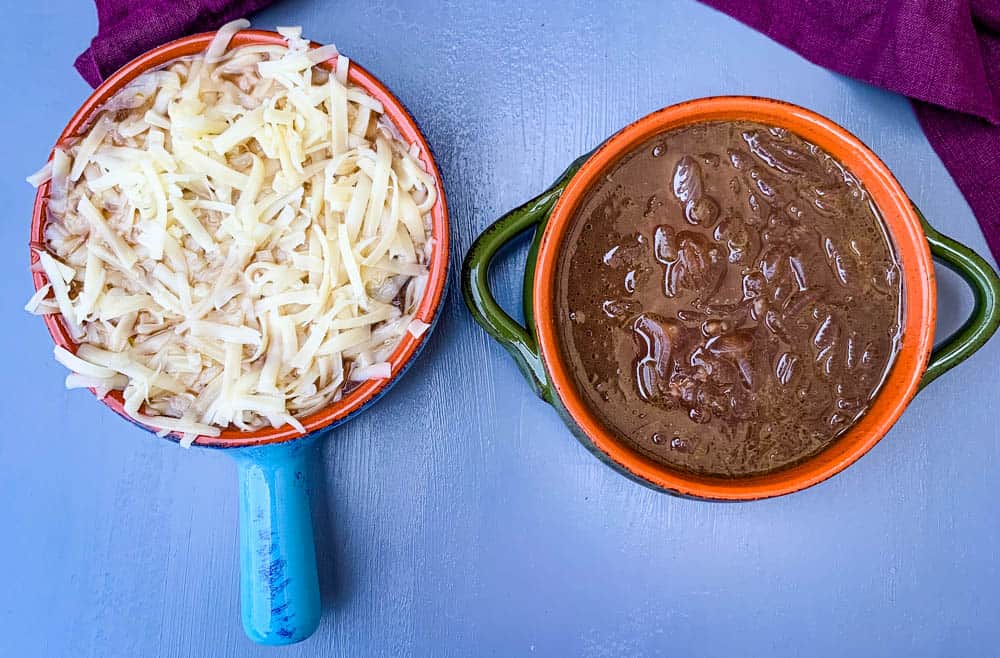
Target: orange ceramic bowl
(537, 349)
(427, 311)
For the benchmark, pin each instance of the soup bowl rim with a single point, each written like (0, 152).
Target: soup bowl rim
(918, 299)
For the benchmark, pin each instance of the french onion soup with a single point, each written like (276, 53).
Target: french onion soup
(729, 300)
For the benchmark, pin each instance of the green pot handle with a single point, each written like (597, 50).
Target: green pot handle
(985, 317)
(516, 339)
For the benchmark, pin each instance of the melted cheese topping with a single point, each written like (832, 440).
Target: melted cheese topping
(235, 236)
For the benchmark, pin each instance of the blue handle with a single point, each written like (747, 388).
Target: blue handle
(279, 588)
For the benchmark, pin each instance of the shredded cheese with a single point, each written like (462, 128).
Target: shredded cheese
(235, 236)
(36, 299)
(41, 176)
(374, 371)
(417, 327)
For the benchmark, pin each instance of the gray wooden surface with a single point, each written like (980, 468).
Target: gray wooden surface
(459, 517)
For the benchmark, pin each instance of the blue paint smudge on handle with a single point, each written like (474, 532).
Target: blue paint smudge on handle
(279, 587)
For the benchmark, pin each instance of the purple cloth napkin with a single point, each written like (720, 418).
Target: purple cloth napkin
(943, 54)
(128, 28)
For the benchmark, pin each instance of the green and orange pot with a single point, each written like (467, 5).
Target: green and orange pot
(535, 349)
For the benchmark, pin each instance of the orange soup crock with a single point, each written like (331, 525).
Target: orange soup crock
(536, 349)
(918, 295)
(433, 293)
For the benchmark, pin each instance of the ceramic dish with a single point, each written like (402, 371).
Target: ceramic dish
(535, 347)
(279, 589)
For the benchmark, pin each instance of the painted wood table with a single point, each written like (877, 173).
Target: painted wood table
(459, 517)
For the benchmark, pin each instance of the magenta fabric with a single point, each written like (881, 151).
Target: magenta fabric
(943, 54)
(128, 28)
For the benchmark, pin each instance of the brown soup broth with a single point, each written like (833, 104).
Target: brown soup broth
(728, 299)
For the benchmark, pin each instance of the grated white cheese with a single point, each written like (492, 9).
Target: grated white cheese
(374, 371)
(235, 236)
(36, 299)
(417, 327)
(41, 176)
